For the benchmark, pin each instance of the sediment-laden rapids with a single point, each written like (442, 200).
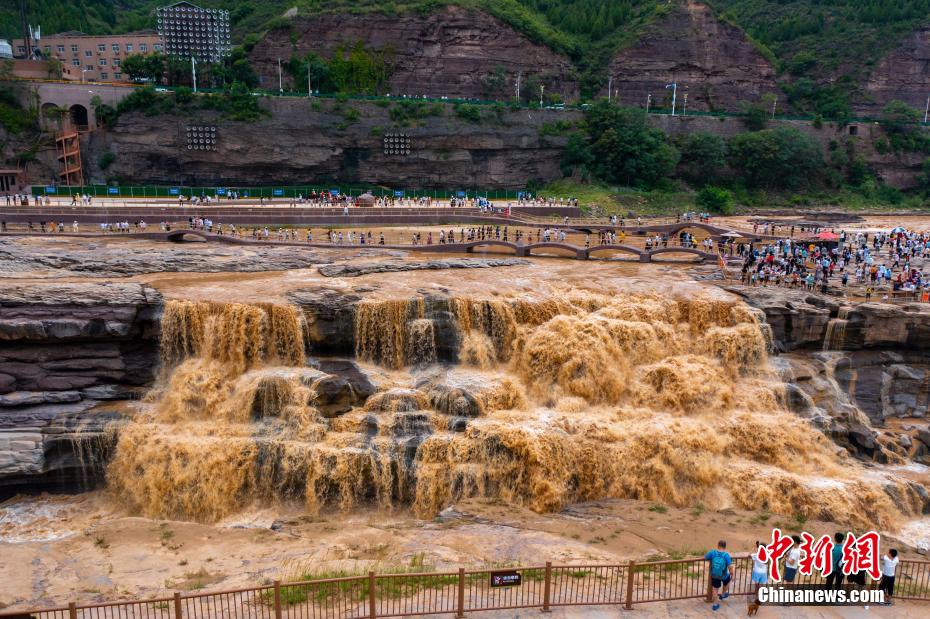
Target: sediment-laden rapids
(541, 402)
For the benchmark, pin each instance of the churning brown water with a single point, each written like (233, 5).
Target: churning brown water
(587, 396)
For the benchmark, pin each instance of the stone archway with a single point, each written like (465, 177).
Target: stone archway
(79, 117)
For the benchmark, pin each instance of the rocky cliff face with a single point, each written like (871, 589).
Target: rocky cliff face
(864, 373)
(319, 141)
(902, 74)
(68, 353)
(711, 61)
(452, 51)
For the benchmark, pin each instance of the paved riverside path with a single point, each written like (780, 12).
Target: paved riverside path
(535, 217)
(733, 608)
(468, 247)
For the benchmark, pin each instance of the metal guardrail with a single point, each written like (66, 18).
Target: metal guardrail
(417, 594)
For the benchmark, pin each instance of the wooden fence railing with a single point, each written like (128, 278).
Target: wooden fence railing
(456, 593)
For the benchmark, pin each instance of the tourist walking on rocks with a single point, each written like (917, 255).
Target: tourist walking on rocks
(721, 572)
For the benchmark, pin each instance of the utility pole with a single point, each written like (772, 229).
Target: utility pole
(280, 83)
(685, 110)
(774, 106)
(648, 101)
(610, 86)
(519, 79)
(927, 109)
(194, 72)
(674, 87)
(27, 38)
(309, 88)
(541, 90)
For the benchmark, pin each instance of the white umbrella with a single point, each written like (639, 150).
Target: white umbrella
(898, 230)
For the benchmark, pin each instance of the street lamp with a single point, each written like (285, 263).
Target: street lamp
(648, 101)
(83, 71)
(674, 87)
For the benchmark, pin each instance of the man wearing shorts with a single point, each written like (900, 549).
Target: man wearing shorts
(721, 571)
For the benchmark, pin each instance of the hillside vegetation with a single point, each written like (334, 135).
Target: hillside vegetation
(822, 49)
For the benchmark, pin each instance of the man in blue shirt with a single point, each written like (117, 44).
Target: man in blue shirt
(721, 571)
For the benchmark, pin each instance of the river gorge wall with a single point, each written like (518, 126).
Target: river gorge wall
(68, 352)
(303, 142)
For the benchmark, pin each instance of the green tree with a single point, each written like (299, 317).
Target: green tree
(755, 115)
(703, 157)
(899, 117)
(576, 155)
(777, 158)
(625, 148)
(715, 200)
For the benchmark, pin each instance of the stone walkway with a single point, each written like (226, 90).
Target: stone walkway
(731, 609)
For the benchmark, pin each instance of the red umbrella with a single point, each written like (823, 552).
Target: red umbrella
(828, 236)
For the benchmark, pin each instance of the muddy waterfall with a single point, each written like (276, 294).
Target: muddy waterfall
(538, 402)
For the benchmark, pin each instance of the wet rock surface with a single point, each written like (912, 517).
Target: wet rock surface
(21, 257)
(64, 348)
(355, 270)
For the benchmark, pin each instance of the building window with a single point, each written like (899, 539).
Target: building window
(103, 62)
(21, 48)
(103, 76)
(101, 47)
(157, 47)
(117, 76)
(88, 53)
(143, 47)
(60, 48)
(115, 48)
(129, 48)
(74, 49)
(48, 51)
(89, 67)
(76, 62)
(116, 62)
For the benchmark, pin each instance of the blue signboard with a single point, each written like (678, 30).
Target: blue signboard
(113, 191)
(221, 191)
(459, 194)
(398, 194)
(277, 192)
(174, 191)
(334, 191)
(50, 189)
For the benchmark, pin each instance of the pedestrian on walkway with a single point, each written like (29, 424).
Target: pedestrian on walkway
(721, 572)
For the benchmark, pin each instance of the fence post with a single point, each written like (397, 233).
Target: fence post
(277, 599)
(372, 609)
(72, 610)
(710, 588)
(628, 604)
(177, 605)
(547, 587)
(460, 607)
